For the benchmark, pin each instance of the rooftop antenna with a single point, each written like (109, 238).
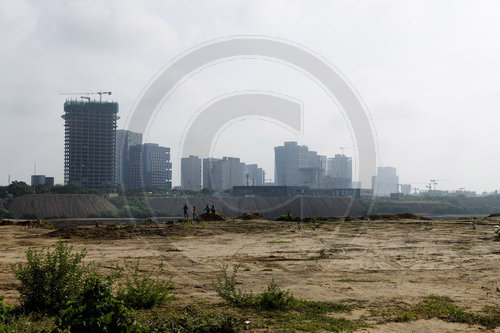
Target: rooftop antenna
(34, 169)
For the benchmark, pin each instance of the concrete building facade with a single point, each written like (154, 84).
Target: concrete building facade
(149, 165)
(385, 182)
(253, 175)
(339, 172)
(295, 165)
(191, 173)
(125, 139)
(228, 172)
(208, 172)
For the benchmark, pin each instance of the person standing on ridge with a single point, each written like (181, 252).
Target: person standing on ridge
(195, 216)
(186, 215)
(213, 209)
(207, 209)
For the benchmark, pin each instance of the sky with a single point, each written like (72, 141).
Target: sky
(427, 72)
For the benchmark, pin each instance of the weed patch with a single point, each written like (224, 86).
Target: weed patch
(278, 242)
(441, 307)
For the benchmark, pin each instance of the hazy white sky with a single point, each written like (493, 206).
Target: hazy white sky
(427, 70)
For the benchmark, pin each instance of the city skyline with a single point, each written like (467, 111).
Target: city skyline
(428, 79)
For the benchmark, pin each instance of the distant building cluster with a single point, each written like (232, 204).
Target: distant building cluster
(218, 174)
(42, 180)
(98, 156)
(296, 165)
(141, 164)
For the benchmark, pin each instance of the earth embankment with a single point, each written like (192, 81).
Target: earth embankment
(67, 205)
(269, 207)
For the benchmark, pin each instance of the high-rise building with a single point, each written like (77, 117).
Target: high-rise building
(288, 160)
(124, 140)
(208, 172)
(339, 171)
(191, 173)
(297, 166)
(149, 165)
(253, 175)
(385, 182)
(89, 143)
(228, 172)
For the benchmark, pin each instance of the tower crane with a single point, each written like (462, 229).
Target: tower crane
(435, 182)
(342, 149)
(100, 93)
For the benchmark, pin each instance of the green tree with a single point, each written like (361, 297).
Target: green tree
(17, 188)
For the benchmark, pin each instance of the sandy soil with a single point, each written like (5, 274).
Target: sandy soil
(374, 264)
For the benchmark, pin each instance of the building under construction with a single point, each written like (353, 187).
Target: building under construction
(89, 143)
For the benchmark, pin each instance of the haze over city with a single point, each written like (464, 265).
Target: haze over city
(426, 70)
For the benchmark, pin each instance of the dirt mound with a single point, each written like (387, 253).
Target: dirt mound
(251, 216)
(68, 205)
(396, 217)
(7, 222)
(213, 217)
(494, 215)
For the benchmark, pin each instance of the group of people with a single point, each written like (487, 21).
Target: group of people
(207, 210)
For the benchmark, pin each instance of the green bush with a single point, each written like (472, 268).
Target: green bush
(286, 217)
(225, 287)
(276, 299)
(272, 299)
(142, 290)
(6, 213)
(4, 312)
(49, 279)
(196, 320)
(96, 310)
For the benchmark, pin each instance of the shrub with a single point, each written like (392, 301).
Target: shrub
(276, 299)
(286, 217)
(6, 213)
(194, 319)
(49, 224)
(50, 279)
(225, 287)
(96, 310)
(142, 290)
(4, 312)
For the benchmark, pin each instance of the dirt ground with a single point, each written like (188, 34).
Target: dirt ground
(373, 264)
